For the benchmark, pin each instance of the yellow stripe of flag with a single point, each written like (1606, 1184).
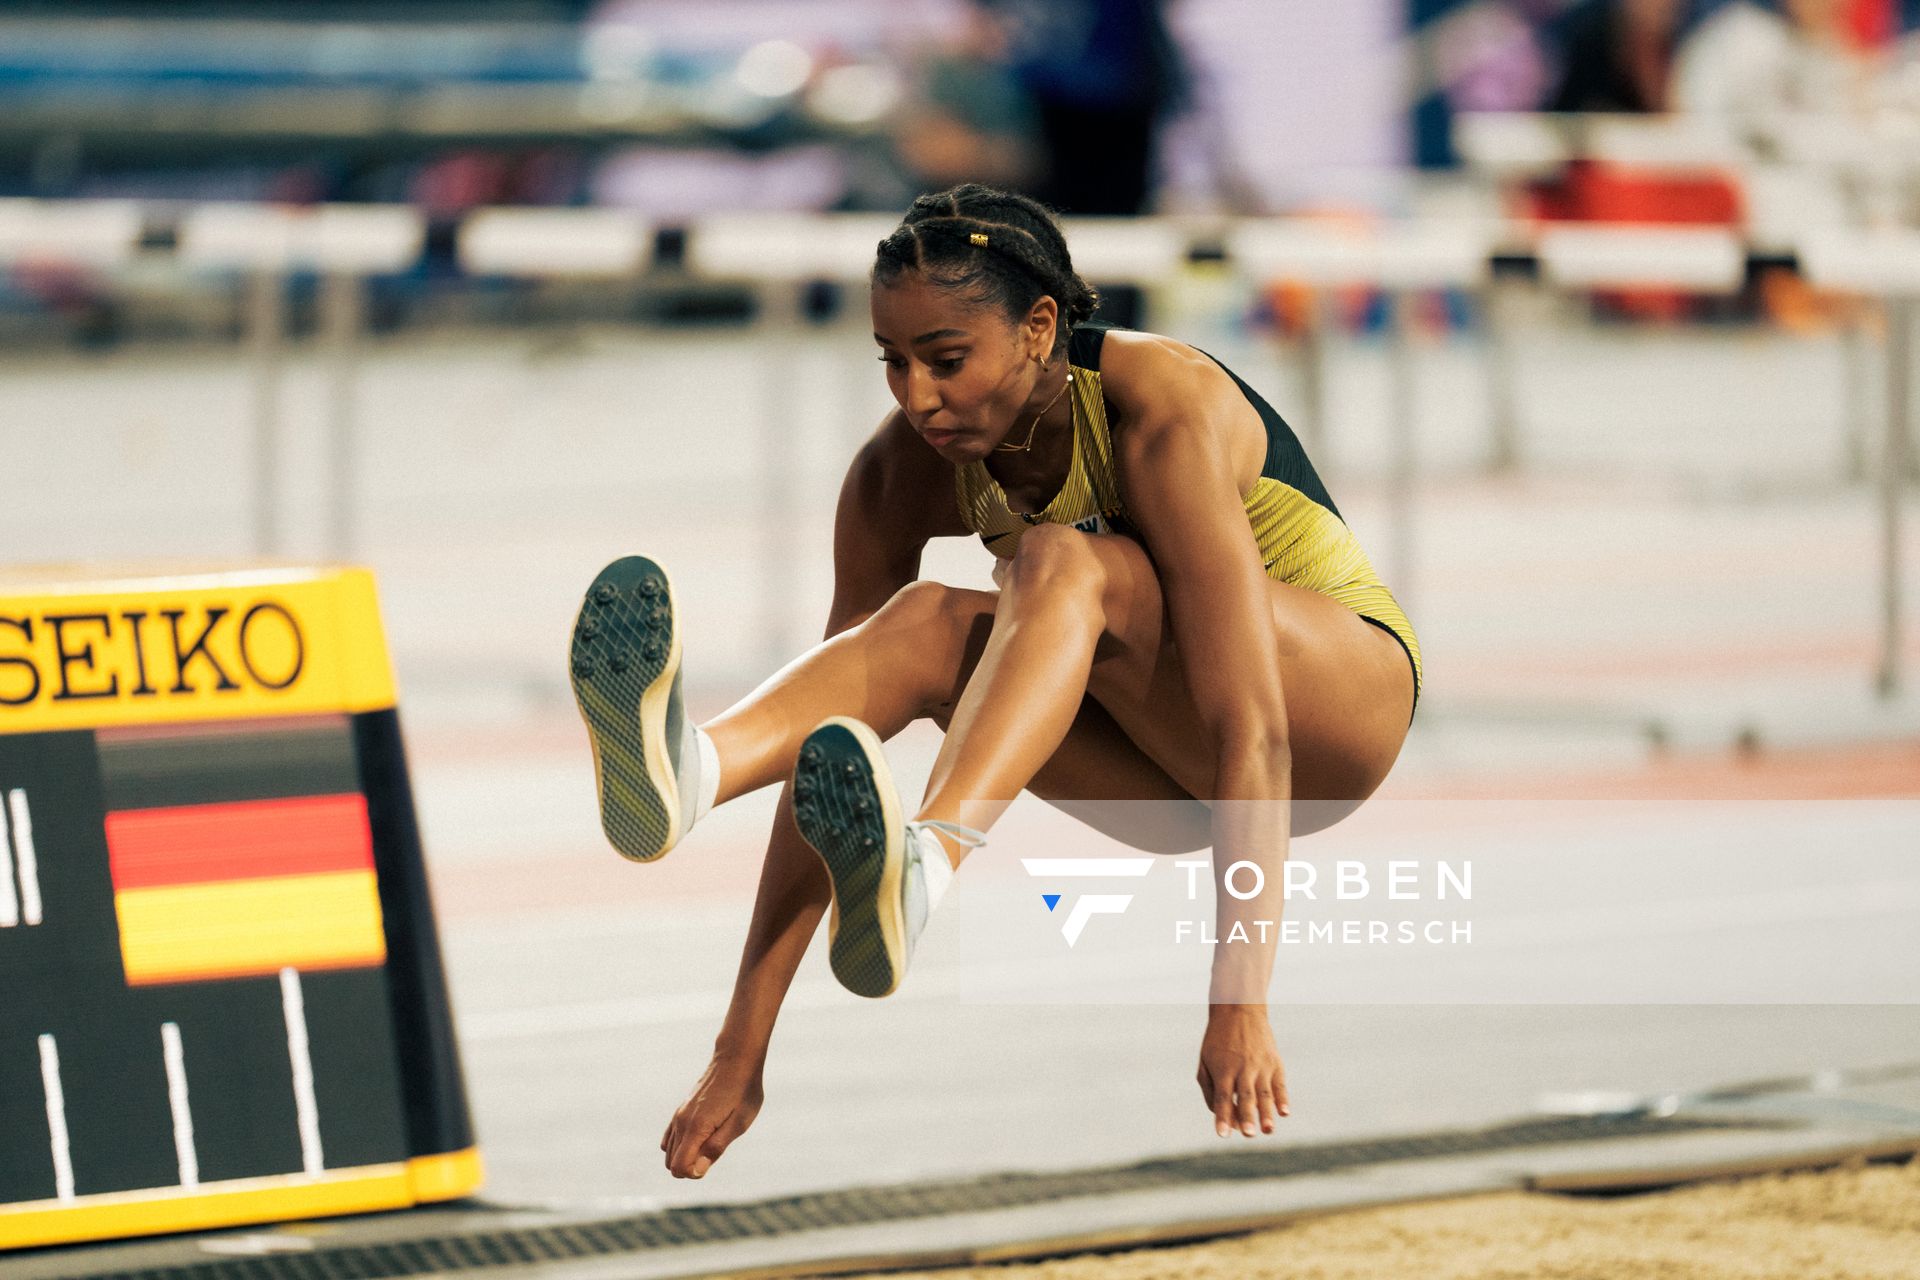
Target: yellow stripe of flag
(242, 928)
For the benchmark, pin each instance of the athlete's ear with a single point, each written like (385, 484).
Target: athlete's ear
(1043, 320)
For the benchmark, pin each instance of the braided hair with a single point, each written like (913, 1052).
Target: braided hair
(995, 247)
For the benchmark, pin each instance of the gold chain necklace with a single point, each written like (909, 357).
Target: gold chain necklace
(1035, 425)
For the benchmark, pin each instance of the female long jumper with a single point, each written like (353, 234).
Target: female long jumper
(1182, 617)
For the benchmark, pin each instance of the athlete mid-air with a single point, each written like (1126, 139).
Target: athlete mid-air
(1182, 617)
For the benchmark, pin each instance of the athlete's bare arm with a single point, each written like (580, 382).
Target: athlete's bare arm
(897, 493)
(1188, 446)
(1185, 441)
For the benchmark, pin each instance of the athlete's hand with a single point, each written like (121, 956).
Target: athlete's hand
(1241, 1077)
(721, 1107)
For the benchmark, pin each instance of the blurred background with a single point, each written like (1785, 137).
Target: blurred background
(368, 386)
(486, 293)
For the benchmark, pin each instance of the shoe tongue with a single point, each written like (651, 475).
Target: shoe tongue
(925, 847)
(676, 713)
(683, 741)
(936, 869)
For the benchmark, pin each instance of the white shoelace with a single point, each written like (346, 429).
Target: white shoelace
(965, 835)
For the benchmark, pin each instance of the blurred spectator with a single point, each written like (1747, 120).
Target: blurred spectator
(1748, 61)
(449, 184)
(1490, 57)
(970, 120)
(1103, 75)
(1619, 56)
(677, 184)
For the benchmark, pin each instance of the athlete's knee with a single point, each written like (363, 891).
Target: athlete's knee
(1054, 560)
(928, 611)
(932, 627)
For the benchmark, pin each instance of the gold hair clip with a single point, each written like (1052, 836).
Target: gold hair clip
(979, 238)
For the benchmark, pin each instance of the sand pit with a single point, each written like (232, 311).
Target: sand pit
(1842, 1224)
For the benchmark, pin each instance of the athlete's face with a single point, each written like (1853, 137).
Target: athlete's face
(963, 373)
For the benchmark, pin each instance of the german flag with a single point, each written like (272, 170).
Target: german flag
(216, 876)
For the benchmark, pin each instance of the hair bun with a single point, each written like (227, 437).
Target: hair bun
(1083, 301)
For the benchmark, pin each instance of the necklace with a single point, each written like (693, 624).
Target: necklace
(1035, 424)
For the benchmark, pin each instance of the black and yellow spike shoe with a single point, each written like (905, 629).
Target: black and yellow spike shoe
(887, 873)
(625, 663)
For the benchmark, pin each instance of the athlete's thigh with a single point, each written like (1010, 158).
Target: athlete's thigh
(1347, 684)
(1097, 774)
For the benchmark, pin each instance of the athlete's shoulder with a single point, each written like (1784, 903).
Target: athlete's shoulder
(1136, 364)
(1158, 388)
(1150, 378)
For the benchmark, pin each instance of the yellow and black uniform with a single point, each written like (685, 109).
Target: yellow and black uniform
(1302, 538)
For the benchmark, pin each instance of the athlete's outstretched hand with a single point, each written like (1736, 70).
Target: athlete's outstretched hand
(721, 1107)
(1241, 1077)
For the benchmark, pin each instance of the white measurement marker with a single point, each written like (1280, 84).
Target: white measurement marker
(295, 1007)
(177, 1101)
(56, 1118)
(9, 901)
(23, 852)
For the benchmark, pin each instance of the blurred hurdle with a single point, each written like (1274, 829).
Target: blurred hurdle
(1820, 194)
(780, 257)
(1884, 264)
(342, 244)
(79, 233)
(1401, 261)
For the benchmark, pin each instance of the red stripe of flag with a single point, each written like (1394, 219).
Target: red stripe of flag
(249, 840)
